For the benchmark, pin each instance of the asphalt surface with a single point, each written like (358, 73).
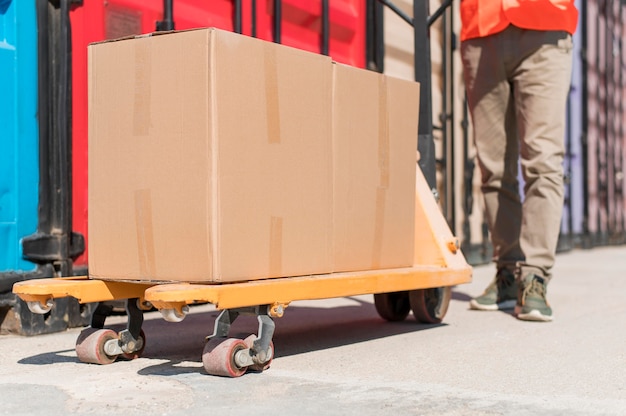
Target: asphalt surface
(337, 357)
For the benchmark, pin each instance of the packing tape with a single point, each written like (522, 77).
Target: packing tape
(379, 227)
(142, 90)
(383, 166)
(145, 233)
(276, 246)
(272, 104)
(383, 132)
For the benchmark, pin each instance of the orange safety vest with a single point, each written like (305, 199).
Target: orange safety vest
(486, 17)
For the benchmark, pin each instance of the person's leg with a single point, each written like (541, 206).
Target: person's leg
(491, 107)
(541, 82)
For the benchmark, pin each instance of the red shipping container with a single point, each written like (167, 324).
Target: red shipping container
(99, 20)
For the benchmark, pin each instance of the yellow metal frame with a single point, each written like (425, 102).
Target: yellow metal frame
(438, 263)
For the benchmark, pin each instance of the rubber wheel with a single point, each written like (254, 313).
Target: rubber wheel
(139, 352)
(393, 306)
(218, 357)
(259, 367)
(430, 305)
(90, 346)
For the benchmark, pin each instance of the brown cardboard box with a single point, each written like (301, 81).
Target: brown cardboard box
(209, 159)
(374, 160)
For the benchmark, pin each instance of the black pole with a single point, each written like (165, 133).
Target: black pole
(278, 9)
(253, 23)
(425, 142)
(325, 28)
(585, 120)
(375, 37)
(168, 17)
(237, 17)
(453, 45)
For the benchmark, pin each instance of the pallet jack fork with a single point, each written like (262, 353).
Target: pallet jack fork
(424, 288)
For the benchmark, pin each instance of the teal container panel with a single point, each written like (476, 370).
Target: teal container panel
(19, 132)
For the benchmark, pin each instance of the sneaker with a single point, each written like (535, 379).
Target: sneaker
(500, 294)
(532, 304)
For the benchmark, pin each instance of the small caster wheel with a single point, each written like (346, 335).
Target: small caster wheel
(39, 308)
(430, 305)
(90, 346)
(219, 354)
(172, 315)
(264, 366)
(139, 352)
(393, 306)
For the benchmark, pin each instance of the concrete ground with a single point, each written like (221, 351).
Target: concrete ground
(337, 357)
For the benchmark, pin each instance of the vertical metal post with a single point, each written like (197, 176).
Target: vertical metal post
(325, 28)
(237, 17)
(253, 24)
(375, 46)
(168, 17)
(425, 143)
(278, 10)
(584, 120)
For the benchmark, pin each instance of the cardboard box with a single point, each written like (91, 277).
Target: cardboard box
(375, 120)
(209, 159)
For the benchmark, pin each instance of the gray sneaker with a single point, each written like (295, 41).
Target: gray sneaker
(531, 303)
(500, 294)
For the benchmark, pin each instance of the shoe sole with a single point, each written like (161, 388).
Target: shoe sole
(534, 315)
(507, 304)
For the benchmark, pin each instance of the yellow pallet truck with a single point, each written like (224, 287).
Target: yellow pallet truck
(424, 288)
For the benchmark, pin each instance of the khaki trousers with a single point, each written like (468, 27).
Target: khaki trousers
(517, 85)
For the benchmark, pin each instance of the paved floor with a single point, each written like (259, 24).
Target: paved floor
(337, 357)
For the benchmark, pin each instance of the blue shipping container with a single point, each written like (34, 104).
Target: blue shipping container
(19, 134)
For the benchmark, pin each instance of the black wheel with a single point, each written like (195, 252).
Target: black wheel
(393, 306)
(430, 305)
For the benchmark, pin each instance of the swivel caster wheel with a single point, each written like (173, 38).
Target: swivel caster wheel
(430, 305)
(136, 354)
(219, 357)
(263, 366)
(91, 346)
(393, 306)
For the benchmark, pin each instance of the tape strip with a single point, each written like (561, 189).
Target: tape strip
(142, 92)
(383, 133)
(379, 221)
(272, 104)
(276, 246)
(145, 233)
(383, 166)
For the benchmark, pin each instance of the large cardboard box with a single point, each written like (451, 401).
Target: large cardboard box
(375, 120)
(209, 159)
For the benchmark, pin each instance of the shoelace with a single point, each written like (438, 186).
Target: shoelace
(536, 287)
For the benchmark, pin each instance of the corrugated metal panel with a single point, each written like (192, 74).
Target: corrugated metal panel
(19, 136)
(605, 117)
(98, 20)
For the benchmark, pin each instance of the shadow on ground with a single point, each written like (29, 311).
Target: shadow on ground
(301, 330)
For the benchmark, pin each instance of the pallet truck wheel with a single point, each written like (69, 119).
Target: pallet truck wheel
(172, 315)
(91, 343)
(430, 305)
(393, 307)
(218, 357)
(259, 367)
(139, 352)
(38, 308)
